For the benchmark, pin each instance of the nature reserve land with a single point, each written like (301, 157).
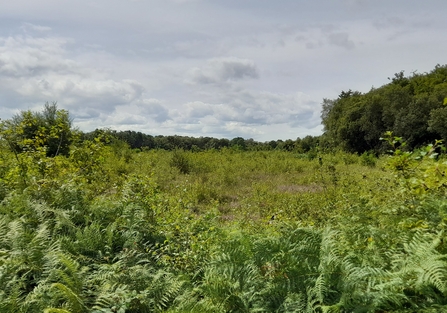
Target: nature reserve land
(125, 222)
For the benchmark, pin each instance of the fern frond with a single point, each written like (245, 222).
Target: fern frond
(53, 310)
(73, 301)
(4, 227)
(422, 263)
(294, 303)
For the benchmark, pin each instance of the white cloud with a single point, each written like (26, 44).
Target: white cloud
(25, 56)
(154, 109)
(249, 111)
(39, 69)
(198, 109)
(221, 68)
(240, 130)
(32, 27)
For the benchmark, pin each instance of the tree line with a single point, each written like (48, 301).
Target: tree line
(139, 140)
(52, 132)
(412, 107)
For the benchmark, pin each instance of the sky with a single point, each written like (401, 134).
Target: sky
(220, 68)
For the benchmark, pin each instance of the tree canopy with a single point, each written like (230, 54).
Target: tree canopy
(49, 130)
(411, 107)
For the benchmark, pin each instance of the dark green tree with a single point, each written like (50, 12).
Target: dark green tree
(438, 123)
(238, 142)
(407, 106)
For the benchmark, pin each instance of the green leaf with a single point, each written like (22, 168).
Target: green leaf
(53, 310)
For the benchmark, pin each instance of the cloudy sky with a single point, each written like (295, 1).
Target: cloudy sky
(222, 68)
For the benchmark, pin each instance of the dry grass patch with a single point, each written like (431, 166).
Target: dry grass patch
(300, 188)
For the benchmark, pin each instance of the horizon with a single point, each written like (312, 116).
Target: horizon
(223, 69)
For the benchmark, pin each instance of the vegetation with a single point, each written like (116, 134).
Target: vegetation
(88, 224)
(411, 107)
(138, 140)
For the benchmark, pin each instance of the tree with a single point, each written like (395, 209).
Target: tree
(49, 130)
(410, 107)
(412, 122)
(438, 122)
(238, 143)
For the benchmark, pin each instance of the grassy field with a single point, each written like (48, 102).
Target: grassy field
(108, 229)
(262, 184)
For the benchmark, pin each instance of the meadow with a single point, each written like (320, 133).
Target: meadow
(109, 229)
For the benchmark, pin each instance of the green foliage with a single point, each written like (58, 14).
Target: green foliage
(107, 229)
(49, 131)
(368, 159)
(411, 107)
(180, 161)
(437, 122)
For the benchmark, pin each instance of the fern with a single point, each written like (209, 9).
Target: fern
(423, 268)
(53, 310)
(159, 292)
(70, 298)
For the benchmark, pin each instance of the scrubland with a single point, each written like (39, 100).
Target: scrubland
(110, 229)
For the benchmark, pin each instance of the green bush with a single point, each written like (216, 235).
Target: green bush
(368, 159)
(180, 161)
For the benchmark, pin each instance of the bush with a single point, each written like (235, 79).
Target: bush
(180, 161)
(368, 159)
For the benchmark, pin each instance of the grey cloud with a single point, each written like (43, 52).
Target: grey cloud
(184, 1)
(104, 60)
(198, 109)
(222, 70)
(252, 109)
(397, 27)
(319, 36)
(388, 22)
(313, 45)
(37, 69)
(154, 109)
(130, 120)
(233, 69)
(136, 115)
(305, 118)
(29, 57)
(341, 40)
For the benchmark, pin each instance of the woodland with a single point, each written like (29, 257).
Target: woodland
(353, 220)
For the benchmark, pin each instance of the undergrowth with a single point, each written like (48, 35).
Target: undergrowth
(105, 229)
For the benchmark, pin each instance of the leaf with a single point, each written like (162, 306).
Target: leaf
(53, 310)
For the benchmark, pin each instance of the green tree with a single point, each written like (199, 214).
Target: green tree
(411, 122)
(238, 143)
(438, 122)
(49, 130)
(355, 121)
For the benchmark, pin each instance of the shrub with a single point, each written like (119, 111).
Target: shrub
(180, 161)
(368, 159)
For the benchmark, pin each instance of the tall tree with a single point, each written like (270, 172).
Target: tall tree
(410, 107)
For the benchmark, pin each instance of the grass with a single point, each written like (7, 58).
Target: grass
(220, 231)
(266, 183)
